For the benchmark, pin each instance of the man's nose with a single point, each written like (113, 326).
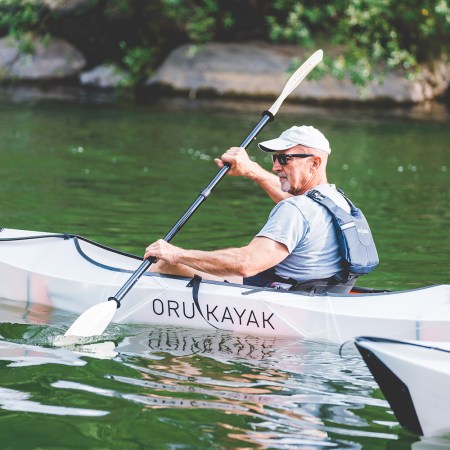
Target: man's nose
(276, 166)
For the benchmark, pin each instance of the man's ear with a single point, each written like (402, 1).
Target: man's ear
(317, 161)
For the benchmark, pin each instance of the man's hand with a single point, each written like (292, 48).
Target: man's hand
(241, 164)
(164, 251)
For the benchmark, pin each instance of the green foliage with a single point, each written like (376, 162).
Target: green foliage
(371, 33)
(19, 16)
(138, 62)
(21, 19)
(367, 35)
(200, 19)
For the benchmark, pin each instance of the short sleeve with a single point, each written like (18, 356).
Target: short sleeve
(286, 225)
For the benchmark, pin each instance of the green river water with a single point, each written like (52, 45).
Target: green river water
(122, 175)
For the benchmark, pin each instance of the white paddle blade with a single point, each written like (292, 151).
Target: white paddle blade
(94, 320)
(299, 75)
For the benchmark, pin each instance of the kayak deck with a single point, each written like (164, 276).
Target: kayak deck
(71, 273)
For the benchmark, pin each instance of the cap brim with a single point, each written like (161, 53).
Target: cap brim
(275, 145)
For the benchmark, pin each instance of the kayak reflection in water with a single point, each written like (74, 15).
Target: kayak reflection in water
(298, 247)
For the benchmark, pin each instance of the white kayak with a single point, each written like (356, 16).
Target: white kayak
(72, 274)
(415, 379)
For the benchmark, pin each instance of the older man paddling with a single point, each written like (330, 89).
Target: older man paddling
(297, 248)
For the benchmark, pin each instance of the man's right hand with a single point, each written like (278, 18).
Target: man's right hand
(241, 164)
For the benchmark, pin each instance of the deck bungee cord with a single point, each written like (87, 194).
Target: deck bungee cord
(67, 236)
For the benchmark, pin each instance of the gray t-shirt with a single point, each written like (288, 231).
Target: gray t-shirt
(306, 229)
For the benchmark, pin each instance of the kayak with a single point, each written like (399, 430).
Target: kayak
(415, 379)
(71, 273)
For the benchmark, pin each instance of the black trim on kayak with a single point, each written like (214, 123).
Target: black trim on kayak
(366, 290)
(96, 263)
(67, 236)
(355, 292)
(195, 285)
(395, 391)
(39, 236)
(119, 252)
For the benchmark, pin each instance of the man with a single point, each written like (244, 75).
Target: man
(297, 247)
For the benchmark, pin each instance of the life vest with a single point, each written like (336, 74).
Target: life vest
(353, 233)
(356, 245)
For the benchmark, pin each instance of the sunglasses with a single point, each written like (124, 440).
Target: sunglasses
(283, 158)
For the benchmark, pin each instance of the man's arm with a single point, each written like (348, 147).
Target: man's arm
(260, 254)
(242, 165)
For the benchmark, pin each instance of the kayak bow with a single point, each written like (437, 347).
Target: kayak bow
(415, 379)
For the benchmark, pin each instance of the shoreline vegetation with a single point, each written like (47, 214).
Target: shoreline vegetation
(235, 49)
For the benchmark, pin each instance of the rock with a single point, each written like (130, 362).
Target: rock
(259, 70)
(242, 69)
(66, 6)
(104, 76)
(55, 60)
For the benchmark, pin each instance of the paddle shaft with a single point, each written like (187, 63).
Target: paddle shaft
(267, 117)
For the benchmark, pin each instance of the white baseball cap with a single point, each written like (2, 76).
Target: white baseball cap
(304, 135)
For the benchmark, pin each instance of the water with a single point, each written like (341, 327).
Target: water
(122, 175)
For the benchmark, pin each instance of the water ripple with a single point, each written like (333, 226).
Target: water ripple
(12, 400)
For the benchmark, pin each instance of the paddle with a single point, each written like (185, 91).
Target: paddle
(95, 320)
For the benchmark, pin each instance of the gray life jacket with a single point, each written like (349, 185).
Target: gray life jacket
(353, 233)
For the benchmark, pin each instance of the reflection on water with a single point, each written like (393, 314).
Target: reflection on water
(11, 400)
(207, 389)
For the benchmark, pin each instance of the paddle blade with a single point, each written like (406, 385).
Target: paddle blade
(299, 75)
(94, 320)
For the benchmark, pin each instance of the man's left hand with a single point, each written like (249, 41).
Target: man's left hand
(163, 250)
